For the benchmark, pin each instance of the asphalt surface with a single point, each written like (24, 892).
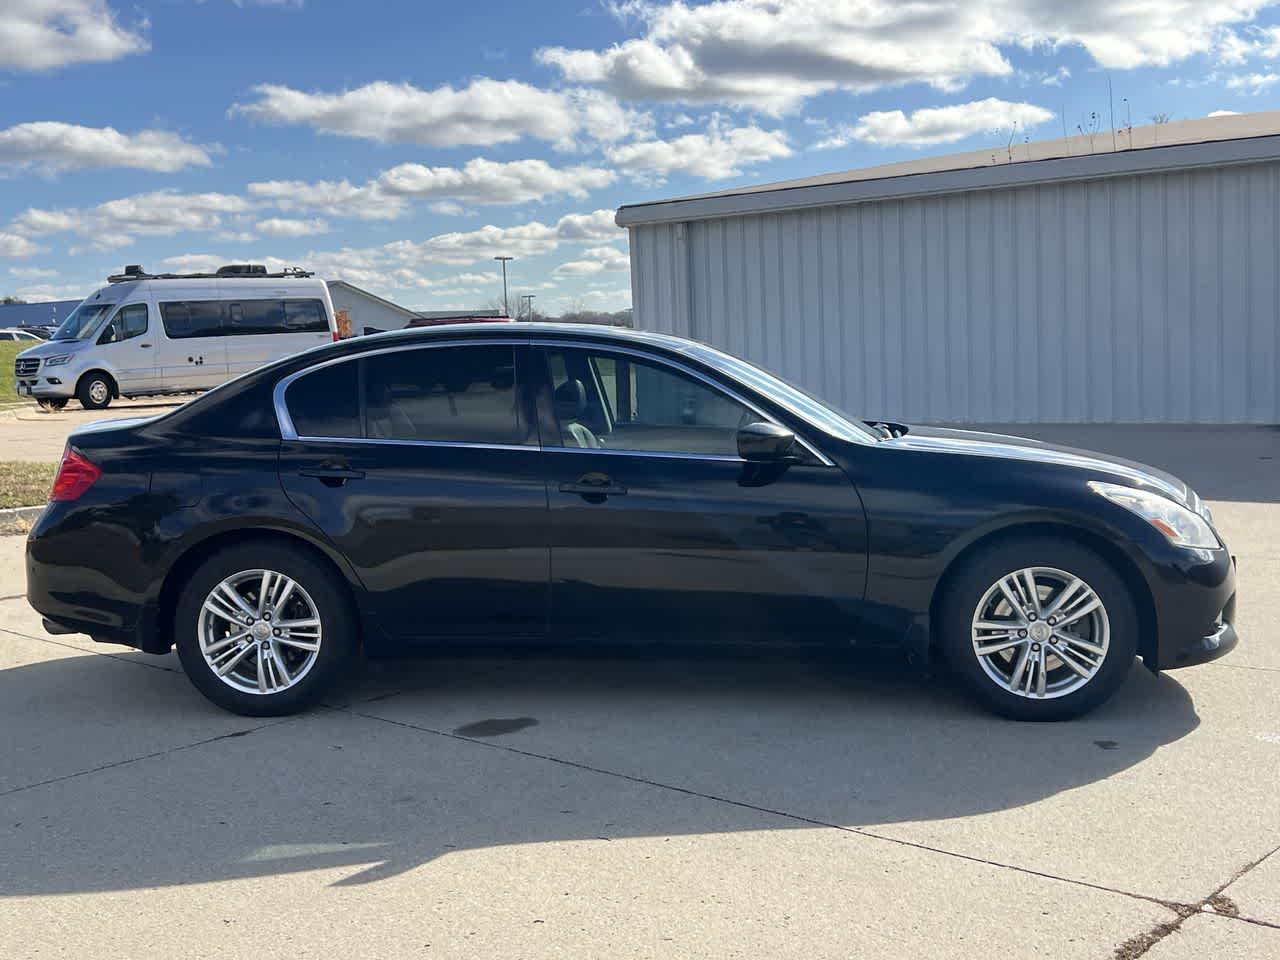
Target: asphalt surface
(653, 808)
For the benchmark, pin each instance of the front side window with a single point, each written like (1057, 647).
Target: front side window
(129, 322)
(464, 394)
(618, 402)
(192, 318)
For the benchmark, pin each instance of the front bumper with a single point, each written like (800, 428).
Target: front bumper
(40, 388)
(1195, 614)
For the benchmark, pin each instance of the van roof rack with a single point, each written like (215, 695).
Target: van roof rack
(253, 271)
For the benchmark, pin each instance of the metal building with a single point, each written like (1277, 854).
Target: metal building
(1134, 278)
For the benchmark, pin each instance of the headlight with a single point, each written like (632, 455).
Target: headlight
(1183, 527)
(57, 361)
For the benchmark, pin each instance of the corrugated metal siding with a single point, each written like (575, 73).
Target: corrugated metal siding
(1136, 299)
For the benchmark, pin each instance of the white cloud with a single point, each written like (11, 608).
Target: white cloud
(486, 181)
(49, 144)
(713, 155)
(933, 125)
(286, 227)
(32, 273)
(403, 264)
(16, 245)
(595, 260)
(336, 198)
(770, 55)
(44, 34)
(46, 292)
(483, 113)
(1223, 113)
(115, 223)
(1254, 83)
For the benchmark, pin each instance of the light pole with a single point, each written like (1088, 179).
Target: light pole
(506, 309)
(528, 306)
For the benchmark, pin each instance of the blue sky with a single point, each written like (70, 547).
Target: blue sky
(401, 145)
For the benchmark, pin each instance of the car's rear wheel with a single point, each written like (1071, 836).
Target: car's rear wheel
(1039, 629)
(265, 629)
(95, 390)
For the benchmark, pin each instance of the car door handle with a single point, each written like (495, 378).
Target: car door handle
(333, 475)
(594, 488)
(145, 346)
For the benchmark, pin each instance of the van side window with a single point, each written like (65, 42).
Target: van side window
(255, 316)
(192, 318)
(129, 322)
(305, 316)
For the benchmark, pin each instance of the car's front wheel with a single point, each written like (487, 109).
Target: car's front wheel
(1039, 629)
(265, 629)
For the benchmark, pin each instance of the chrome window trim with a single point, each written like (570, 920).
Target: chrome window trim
(695, 374)
(664, 454)
(461, 444)
(289, 432)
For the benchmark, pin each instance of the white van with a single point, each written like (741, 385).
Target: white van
(145, 334)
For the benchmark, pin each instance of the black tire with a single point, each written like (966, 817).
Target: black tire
(333, 663)
(981, 572)
(95, 390)
(52, 403)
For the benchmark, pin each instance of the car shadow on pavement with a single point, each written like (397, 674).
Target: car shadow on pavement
(430, 757)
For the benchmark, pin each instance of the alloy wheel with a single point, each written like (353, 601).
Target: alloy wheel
(99, 392)
(1040, 633)
(259, 631)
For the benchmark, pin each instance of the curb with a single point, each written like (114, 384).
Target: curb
(17, 520)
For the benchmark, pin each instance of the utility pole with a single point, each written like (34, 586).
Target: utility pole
(506, 309)
(528, 306)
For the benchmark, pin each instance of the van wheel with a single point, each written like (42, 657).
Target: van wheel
(265, 629)
(95, 390)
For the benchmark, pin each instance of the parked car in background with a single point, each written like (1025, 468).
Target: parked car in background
(586, 485)
(145, 334)
(19, 333)
(42, 331)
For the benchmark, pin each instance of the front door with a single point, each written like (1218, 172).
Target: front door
(127, 349)
(421, 466)
(658, 529)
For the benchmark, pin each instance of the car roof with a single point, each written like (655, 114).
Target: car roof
(531, 329)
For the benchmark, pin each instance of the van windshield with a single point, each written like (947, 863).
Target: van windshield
(82, 321)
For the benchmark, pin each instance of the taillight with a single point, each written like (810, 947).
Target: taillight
(336, 336)
(76, 474)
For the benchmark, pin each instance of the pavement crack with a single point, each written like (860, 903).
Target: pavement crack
(148, 756)
(1177, 908)
(1216, 904)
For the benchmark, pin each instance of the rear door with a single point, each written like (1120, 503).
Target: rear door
(659, 529)
(421, 466)
(192, 353)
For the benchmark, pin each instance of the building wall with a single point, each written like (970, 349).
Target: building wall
(366, 312)
(1149, 298)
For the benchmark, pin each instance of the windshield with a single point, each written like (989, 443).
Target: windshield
(803, 404)
(82, 321)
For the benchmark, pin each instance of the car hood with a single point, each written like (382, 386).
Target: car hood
(978, 444)
(54, 348)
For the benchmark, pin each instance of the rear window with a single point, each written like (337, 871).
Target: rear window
(456, 394)
(326, 403)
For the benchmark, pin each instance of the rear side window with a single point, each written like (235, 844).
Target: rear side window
(461, 394)
(192, 318)
(247, 317)
(305, 316)
(326, 403)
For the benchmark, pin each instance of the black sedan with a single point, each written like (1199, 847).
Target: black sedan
(456, 486)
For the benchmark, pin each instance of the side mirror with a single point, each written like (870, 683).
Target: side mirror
(765, 442)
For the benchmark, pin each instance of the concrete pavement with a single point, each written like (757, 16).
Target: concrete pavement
(35, 434)
(644, 808)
